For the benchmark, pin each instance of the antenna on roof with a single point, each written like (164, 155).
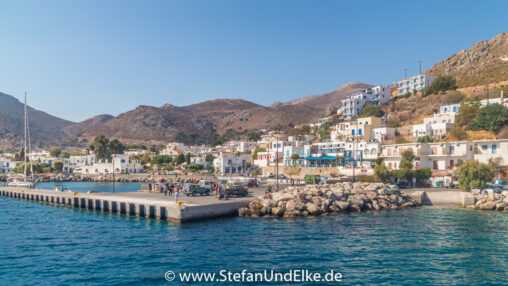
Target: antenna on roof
(420, 64)
(405, 73)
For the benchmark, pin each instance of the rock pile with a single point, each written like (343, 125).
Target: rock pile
(328, 199)
(491, 202)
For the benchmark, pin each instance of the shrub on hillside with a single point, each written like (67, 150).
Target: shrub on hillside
(458, 133)
(400, 140)
(393, 122)
(443, 83)
(491, 117)
(454, 97)
(467, 112)
(372, 110)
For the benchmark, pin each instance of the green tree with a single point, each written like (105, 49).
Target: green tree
(103, 148)
(177, 160)
(382, 172)
(58, 166)
(443, 83)
(187, 157)
(473, 175)
(100, 147)
(55, 152)
(161, 160)
(209, 158)
(372, 110)
(254, 136)
(491, 117)
(467, 112)
(65, 154)
(407, 159)
(116, 147)
(305, 129)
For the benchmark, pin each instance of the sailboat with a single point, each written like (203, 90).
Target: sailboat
(25, 183)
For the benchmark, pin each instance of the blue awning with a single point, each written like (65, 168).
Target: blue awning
(321, 158)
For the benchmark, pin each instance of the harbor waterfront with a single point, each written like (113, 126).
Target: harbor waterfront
(430, 245)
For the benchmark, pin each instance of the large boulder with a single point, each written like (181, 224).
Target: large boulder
(500, 206)
(313, 209)
(244, 212)
(290, 205)
(277, 211)
(342, 205)
(487, 206)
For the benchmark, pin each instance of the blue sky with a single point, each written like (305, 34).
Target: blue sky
(78, 59)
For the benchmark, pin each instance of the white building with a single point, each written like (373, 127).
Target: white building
(491, 149)
(414, 83)
(120, 163)
(383, 133)
(175, 149)
(74, 162)
(7, 165)
(433, 129)
(231, 164)
(352, 106)
(200, 161)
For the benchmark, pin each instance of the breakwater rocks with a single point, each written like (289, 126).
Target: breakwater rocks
(490, 202)
(328, 199)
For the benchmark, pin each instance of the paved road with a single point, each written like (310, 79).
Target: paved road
(196, 200)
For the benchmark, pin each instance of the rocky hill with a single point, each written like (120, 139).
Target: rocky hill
(203, 122)
(44, 128)
(78, 128)
(197, 123)
(485, 62)
(331, 100)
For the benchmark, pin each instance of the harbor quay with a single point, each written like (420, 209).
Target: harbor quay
(139, 204)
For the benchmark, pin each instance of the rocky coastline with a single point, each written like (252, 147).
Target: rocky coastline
(490, 202)
(313, 200)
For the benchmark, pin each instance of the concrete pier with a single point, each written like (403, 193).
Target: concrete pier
(444, 197)
(138, 204)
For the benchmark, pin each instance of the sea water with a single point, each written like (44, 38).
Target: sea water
(48, 245)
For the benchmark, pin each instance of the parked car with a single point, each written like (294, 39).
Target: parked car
(402, 185)
(236, 189)
(194, 189)
(209, 184)
(251, 183)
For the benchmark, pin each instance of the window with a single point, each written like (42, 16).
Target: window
(360, 131)
(485, 147)
(352, 132)
(366, 123)
(494, 149)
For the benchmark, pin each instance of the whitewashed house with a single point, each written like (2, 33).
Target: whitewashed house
(491, 149)
(120, 164)
(417, 83)
(231, 164)
(377, 95)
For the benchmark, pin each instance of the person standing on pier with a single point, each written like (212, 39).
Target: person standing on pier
(177, 192)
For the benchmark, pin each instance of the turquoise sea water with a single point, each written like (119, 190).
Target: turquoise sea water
(48, 245)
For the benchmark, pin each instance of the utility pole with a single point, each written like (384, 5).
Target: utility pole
(420, 64)
(277, 164)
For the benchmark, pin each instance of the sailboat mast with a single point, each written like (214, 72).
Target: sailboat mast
(29, 142)
(25, 140)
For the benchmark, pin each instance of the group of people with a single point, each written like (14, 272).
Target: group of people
(167, 188)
